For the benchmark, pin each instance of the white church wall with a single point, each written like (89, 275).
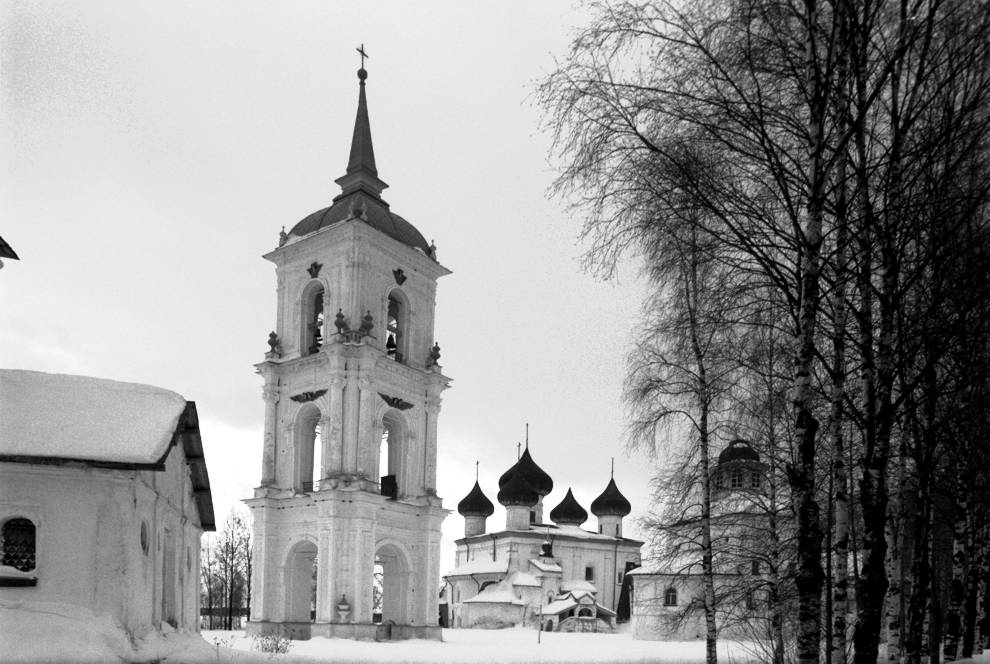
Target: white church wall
(89, 543)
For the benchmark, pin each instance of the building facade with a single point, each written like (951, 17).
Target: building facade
(346, 518)
(104, 494)
(667, 594)
(556, 573)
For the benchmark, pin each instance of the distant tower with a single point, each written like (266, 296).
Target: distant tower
(352, 395)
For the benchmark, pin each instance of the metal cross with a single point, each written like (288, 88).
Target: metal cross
(476, 470)
(363, 54)
(518, 451)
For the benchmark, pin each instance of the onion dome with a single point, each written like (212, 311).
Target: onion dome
(476, 503)
(738, 450)
(517, 491)
(569, 511)
(611, 502)
(533, 474)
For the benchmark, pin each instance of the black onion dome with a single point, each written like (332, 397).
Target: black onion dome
(738, 450)
(569, 511)
(476, 503)
(517, 491)
(611, 502)
(534, 475)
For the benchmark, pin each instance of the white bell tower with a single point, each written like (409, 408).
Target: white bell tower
(352, 396)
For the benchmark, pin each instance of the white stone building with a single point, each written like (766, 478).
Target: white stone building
(104, 494)
(558, 573)
(667, 592)
(352, 395)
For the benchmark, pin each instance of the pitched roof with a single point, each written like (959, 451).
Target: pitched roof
(481, 566)
(56, 418)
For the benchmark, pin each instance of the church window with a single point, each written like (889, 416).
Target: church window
(395, 327)
(390, 454)
(589, 573)
(17, 542)
(532, 516)
(754, 480)
(750, 601)
(144, 537)
(718, 480)
(736, 479)
(309, 448)
(313, 319)
(670, 597)
(756, 567)
(618, 577)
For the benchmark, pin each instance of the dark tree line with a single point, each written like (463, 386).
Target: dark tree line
(808, 179)
(225, 571)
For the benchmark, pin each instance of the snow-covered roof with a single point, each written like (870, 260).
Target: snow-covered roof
(497, 594)
(481, 566)
(544, 567)
(55, 418)
(78, 417)
(523, 579)
(577, 585)
(541, 530)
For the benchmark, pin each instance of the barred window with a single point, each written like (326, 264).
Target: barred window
(17, 542)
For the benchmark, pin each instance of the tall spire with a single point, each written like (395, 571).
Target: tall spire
(361, 171)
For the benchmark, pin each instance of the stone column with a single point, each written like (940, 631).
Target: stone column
(332, 446)
(366, 409)
(324, 598)
(351, 410)
(430, 446)
(270, 395)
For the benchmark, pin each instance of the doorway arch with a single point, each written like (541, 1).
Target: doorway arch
(300, 582)
(392, 563)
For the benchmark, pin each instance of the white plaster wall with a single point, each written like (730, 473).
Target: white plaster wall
(88, 546)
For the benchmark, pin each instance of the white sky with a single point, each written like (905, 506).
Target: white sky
(152, 152)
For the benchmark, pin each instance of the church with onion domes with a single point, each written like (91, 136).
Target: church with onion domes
(554, 572)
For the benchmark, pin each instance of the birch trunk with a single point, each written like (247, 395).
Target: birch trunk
(955, 616)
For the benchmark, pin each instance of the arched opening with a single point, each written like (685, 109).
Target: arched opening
(584, 613)
(377, 591)
(485, 585)
(395, 581)
(391, 453)
(300, 583)
(396, 325)
(313, 318)
(309, 449)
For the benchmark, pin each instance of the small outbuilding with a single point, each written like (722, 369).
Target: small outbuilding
(104, 494)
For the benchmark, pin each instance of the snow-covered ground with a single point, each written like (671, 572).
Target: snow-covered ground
(494, 646)
(35, 632)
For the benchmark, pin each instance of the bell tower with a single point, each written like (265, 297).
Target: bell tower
(352, 385)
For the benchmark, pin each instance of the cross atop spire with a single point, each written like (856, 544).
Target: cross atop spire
(527, 435)
(361, 171)
(476, 464)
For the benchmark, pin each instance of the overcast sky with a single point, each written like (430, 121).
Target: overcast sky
(153, 151)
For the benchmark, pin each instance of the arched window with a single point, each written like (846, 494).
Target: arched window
(670, 597)
(309, 449)
(18, 544)
(313, 318)
(390, 453)
(396, 325)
